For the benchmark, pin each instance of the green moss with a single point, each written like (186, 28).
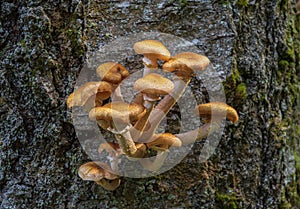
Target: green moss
(283, 64)
(243, 3)
(241, 91)
(289, 54)
(232, 81)
(227, 201)
(235, 88)
(287, 79)
(284, 204)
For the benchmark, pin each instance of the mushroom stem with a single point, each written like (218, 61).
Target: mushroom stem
(163, 142)
(137, 130)
(190, 137)
(198, 133)
(126, 143)
(147, 69)
(164, 106)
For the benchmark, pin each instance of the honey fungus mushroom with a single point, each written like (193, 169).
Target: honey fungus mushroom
(185, 64)
(121, 118)
(153, 51)
(213, 113)
(113, 73)
(100, 173)
(163, 141)
(152, 86)
(90, 95)
(118, 117)
(219, 110)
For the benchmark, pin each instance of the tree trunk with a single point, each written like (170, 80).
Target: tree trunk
(254, 46)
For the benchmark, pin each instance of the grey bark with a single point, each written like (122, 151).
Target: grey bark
(254, 46)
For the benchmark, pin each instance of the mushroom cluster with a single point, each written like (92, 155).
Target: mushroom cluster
(134, 124)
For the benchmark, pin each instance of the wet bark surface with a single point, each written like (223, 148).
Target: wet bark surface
(254, 47)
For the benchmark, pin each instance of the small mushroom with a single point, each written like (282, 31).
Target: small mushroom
(163, 142)
(153, 51)
(117, 117)
(151, 86)
(90, 94)
(113, 73)
(100, 173)
(115, 112)
(217, 109)
(186, 63)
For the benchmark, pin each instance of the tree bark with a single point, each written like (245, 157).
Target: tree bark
(255, 48)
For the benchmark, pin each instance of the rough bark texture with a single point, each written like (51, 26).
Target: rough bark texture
(255, 48)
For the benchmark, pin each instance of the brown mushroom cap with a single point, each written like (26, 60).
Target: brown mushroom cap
(118, 111)
(154, 85)
(98, 90)
(218, 109)
(186, 63)
(95, 171)
(112, 72)
(153, 50)
(164, 141)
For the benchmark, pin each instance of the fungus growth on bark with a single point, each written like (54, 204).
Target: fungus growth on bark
(135, 124)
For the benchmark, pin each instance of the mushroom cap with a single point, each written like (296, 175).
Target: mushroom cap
(218, 109)
(118, 111)
(164, 141)
(102, 89)
(95, 171)
(154, 84)
(186, 63)
(112, 72)
(98, 90)
(153, 50)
